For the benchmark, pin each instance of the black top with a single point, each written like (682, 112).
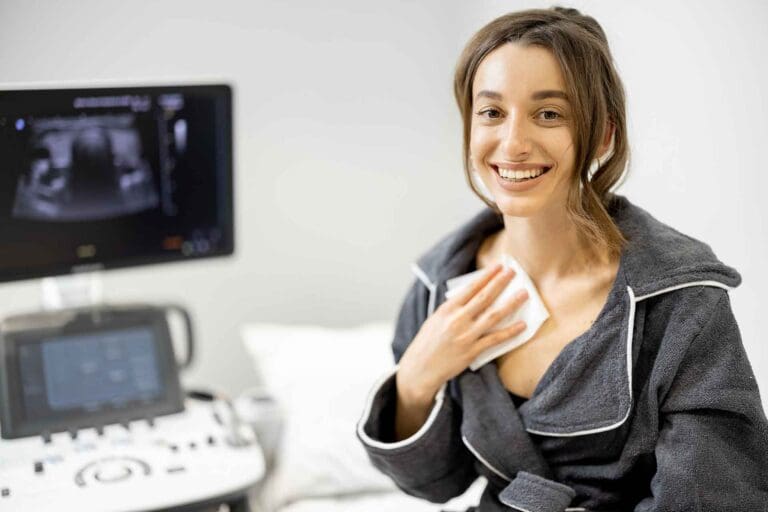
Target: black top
(517, 399)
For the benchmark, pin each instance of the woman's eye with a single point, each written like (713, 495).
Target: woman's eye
(490, 113)
(553, 116)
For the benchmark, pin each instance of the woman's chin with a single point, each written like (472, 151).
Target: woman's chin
(519, 206)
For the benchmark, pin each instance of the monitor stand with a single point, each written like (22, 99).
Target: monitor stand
(72, 291)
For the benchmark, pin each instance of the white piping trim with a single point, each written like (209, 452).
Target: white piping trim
(716, 284)
(407, 441)
(569, 509)
(513, 506)
(432, 287)
(482, 459)
(630, 333)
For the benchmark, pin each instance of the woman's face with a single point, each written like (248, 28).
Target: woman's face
(521, 120)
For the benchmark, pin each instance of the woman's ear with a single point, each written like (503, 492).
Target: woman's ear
(605, 150)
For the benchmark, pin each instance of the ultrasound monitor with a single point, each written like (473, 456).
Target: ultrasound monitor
(113, 177)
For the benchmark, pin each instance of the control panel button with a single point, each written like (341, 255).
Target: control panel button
(111, 469)
(112, 473)
(84, 447)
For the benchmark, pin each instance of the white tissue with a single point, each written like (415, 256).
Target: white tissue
(532, 312)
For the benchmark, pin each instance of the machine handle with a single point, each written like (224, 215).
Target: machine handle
(190, 353)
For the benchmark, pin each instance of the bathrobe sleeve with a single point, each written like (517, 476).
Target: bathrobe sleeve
(712, 449)
(433, 463)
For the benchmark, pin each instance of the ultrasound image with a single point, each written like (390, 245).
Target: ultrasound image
(84, 168)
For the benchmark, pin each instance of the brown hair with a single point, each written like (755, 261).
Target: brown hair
(597, 96)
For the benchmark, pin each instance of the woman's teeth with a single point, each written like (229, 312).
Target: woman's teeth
(520, 175)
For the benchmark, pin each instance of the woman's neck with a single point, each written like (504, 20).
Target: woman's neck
(548, 247)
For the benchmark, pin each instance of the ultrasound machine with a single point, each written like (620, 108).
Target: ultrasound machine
(92, 413)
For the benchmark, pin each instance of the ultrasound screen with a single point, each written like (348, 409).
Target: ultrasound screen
(113, 177)
(88, 373)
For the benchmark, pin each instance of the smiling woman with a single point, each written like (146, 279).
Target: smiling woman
(635, 392)
(572, 62)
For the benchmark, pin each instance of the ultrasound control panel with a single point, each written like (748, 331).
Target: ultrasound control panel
(92, 418)
(169, 462)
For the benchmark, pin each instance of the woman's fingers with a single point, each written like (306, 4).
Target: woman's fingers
(488, 293)
(492, 317)
(467, 293)
(497, 337)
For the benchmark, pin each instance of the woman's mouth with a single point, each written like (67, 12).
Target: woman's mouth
(511, 176)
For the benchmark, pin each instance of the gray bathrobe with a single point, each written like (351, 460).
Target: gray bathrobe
(654, 408)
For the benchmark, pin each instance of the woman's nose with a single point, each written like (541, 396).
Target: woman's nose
(516, 142)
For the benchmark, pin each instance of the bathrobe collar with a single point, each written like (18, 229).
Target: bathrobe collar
(656, 259)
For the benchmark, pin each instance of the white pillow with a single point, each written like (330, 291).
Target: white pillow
(321, 378)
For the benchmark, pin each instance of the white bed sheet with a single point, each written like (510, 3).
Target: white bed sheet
(388, 502)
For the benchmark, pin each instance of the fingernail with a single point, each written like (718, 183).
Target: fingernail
(522, 294)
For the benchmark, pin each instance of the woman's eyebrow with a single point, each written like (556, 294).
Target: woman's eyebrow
(550, 93)
(488, 94)
(538, 95)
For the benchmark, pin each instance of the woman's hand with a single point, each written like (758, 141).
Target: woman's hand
(455, 334)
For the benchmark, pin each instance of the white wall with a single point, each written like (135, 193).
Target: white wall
(348, 141)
